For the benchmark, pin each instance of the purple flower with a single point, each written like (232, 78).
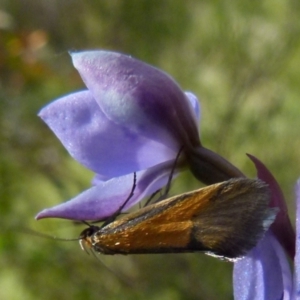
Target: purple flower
(132, 118)
(265, 272)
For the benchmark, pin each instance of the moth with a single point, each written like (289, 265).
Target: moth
(225, 220)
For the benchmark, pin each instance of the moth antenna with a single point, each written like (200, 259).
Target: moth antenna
(124, 280)
(87, 246)
(121, 278)
(45, 235)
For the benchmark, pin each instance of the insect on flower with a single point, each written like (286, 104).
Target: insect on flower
(225, 220)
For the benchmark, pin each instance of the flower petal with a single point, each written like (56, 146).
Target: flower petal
(98, 143)
(103, 200)
(138, 96)
(195, 105)
(264, 273)
(282, 226)
(297, 257)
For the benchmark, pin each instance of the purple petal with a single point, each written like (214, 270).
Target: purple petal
(98, 143)
(104, 199)
(297, 257)
(282, 226)
(138, 96)
(264, 273)
(195, 105)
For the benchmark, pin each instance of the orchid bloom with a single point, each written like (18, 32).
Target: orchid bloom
(125, 122)
(132, 118)
(265, 272)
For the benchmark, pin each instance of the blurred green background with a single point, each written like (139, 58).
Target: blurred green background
(242, 58)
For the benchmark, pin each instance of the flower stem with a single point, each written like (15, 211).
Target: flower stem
(209, 167)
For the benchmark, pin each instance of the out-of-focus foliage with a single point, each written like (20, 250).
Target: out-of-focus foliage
(241, 57)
